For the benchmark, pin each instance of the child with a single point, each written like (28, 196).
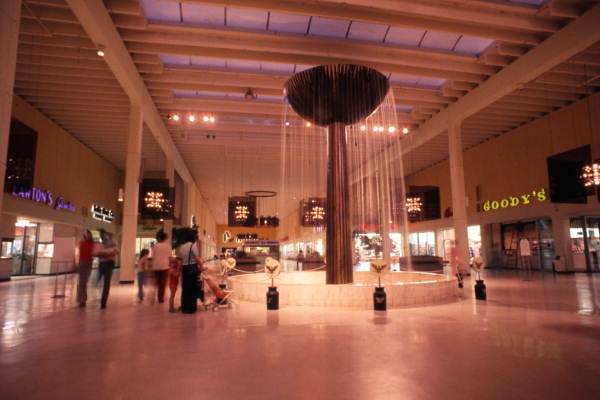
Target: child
(142, 267)
(174, 273)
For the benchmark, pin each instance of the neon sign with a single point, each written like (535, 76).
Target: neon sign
(45, 197)
(102, 214)
(515, 201)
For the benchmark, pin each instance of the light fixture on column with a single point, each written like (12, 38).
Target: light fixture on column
(100, 52)
(121, 195)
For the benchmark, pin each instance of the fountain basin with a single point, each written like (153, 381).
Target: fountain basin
(308, 288)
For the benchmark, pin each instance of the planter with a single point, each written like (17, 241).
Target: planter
(272, 298)
(480, 292)
(379, 299)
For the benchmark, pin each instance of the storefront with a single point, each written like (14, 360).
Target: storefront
(584, 233)
(41, 231)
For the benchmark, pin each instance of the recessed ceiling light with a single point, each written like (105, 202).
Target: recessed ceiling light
(192, 118)
(405, 130)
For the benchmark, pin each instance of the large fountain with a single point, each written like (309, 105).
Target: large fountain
(341, 149)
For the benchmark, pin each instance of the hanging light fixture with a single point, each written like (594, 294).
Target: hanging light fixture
(241, 213)
(414, 205)
(317, 213)
(154, 200)
(591, 175)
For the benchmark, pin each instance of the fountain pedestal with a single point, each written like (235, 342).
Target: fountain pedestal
(339, 229)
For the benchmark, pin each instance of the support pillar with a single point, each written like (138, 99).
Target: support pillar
(170, 175)
(130, 205)
(459, 199)
(339, 228)
(10, 15)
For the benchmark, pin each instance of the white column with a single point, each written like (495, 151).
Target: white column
(10, 14)
(170, 175)
(130, 205)
(459, 200)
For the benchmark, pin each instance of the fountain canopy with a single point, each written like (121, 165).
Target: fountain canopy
(337, 93)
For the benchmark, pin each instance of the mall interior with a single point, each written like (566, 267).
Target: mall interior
(398, 199)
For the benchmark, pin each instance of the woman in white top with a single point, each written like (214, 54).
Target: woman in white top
(160, 263)
(190, 271)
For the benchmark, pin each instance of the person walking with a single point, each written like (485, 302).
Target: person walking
(106, 253)
(190, 259)
(142, 270)
(161, 252)
(86, 249)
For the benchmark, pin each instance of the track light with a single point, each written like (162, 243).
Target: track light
(392, 129)
(174, 117)
(191, 118)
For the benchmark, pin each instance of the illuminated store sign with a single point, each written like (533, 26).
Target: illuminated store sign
(102, 214)
(515, 201)
(45, 197)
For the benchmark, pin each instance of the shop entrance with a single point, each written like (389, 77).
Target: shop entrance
(24, 248)
(538, 234)
(585, 243)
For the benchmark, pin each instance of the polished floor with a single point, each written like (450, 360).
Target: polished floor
(537, 339)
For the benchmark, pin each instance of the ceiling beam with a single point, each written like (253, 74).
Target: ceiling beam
(96, 21)
(379, 16)
(566, 43)
(305, 59)
(227, 38)
(574, 38)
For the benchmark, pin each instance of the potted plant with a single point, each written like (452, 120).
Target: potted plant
(272, 269)
(379, 296)
(478, 265)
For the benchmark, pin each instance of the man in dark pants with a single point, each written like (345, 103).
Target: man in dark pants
(106, 253)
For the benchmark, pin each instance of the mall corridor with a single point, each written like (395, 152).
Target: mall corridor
(537, 339)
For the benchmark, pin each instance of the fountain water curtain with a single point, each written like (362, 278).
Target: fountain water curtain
(344, 148)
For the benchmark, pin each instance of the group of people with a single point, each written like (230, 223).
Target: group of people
(186, 267)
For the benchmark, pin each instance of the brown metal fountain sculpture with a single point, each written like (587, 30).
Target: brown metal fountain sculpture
(334, 96)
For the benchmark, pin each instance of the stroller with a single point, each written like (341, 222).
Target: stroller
(222, 297)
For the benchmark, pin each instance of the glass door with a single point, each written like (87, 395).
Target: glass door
(592, 241)
(24, 250)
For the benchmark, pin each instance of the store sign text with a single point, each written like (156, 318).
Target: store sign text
(45, 197)
(102, 214)
(515, 201)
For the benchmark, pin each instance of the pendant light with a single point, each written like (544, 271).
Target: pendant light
(590, 173)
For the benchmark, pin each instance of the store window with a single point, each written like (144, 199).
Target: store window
(585, 243)
(422, 243)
